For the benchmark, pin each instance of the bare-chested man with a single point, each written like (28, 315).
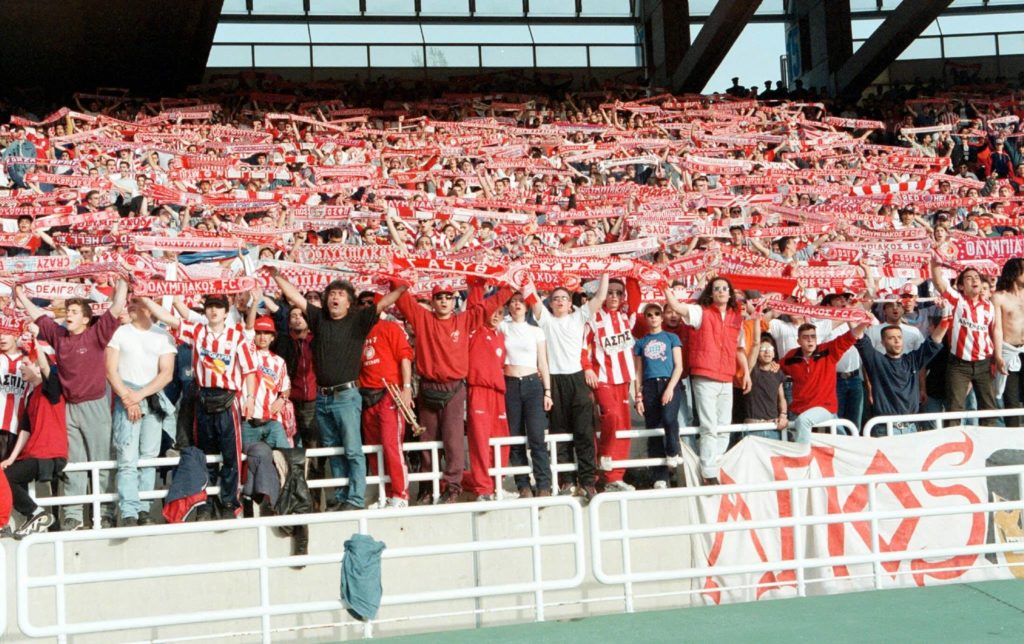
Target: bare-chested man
(1008, 335)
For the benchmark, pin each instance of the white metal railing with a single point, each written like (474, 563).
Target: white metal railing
(624, 534)
(96, 499)
(937, 418)
(55, 586)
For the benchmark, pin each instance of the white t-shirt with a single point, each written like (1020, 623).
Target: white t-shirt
(565, 339)
(912, 337)
(521, 340)
(140, 351)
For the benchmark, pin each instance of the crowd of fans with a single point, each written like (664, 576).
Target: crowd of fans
(253, 269)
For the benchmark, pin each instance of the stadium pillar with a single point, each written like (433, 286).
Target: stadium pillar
(890, 39)
(667, 34)
(713, 42)
(819, 40)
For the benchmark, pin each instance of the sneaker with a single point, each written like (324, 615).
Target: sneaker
(487, 497)
(107, 523)
(70, 524)
(334, 505)
(618, 486)
(425, 497)
(6, 532)
(587, 492)
(39, 522)
(204, 513)
(566, 489)
(350, 507)
(396, 502)
(145, 519)
(605, 464)
(450, 495)
(525, 493)
(129, 522)
(661, 485)
(674, 461)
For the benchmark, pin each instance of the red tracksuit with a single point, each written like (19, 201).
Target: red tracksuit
(486, 412)
(383, 351)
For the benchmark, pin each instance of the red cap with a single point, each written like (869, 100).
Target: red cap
(265, 324)
(437, 290)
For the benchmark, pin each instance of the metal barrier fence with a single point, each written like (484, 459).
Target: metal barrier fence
(935, 419)
(55, 587)
(97, 498)
(624, 535)
(3, 591)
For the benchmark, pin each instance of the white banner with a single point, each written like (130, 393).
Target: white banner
(758, 460)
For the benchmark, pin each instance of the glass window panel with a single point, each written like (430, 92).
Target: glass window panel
(864, 28)
(754, 57)
(922, 48)
(1011, 44)
(444, 7)
(234, 6)
(863, 5)
(561, 56)
(339, 56)
(477, 33)
(702, 7)
(584, 34)
(507, 56)
(277, 7)
(499, 8)
(452, 57)
(552, 7)
(260, 32)
(770, 8)
(230, 56)
(352, 32)
(396, 56)
(605, 8)
(281, 56)
(986, 22)
(390, 7)
(334, 7)
(964, 46)
(605, 56)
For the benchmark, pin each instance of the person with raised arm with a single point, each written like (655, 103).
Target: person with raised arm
(81, 368)
(572, 410)
(715, 353)
(339, 331)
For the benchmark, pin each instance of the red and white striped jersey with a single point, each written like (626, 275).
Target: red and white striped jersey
(220, 359)
(971, 336)
(610, 342)
(271, 380)
(13, 390)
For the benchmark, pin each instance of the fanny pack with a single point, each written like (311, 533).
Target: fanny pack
(371, 396)
(436, 399)
(214, 400)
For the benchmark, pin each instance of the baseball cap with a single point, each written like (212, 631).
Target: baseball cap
(216, 300)
(264, 324)
(437, 290)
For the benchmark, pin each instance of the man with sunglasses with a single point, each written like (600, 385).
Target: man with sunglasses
(442, 360)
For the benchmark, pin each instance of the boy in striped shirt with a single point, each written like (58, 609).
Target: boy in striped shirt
(224, 363)
(272, 388)
(13, 390)
(970, 341)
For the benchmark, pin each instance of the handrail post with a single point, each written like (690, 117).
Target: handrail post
(94, 476)
(872, 506)
(261, 541)
(538, 575)
(627, 564)
(798, 542)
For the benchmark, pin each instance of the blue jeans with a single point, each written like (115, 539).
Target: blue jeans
(270, 432)
(338, 417)
(802, 424)
(850, 395)
(133, 441)
(665, 416)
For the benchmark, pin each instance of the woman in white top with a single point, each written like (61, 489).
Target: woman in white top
(527, 395)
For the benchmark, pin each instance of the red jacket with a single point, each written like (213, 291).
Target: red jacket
(814, 378)
(487, 347)
(713, 346)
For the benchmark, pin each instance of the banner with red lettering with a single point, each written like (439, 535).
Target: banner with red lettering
(926, 539)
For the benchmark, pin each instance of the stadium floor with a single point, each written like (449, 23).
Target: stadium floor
(990, 611)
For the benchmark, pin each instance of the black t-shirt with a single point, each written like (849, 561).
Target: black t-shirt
(338, 344)
(762, 403)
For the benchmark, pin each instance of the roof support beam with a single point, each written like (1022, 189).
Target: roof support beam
(893, 36)
(713, 42)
